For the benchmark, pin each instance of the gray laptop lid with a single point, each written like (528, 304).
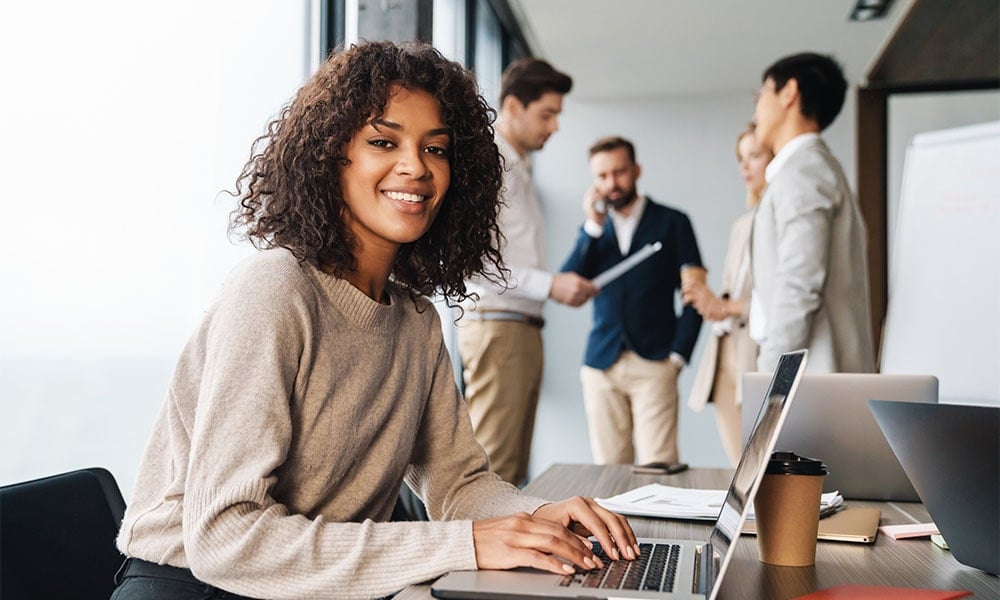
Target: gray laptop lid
(524, 583)
(952, 454)
(831, 421)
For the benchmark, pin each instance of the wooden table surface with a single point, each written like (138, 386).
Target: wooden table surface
(914, 563)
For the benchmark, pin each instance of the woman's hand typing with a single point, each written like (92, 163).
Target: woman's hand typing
(554, 538)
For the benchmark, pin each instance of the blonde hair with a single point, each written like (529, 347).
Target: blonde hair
(752, 197)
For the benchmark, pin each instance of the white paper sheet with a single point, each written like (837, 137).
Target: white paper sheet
(657, 500)
(621, 268)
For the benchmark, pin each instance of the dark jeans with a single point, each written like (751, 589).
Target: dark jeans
(142, 580)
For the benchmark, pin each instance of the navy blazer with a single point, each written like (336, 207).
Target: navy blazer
(636, 311)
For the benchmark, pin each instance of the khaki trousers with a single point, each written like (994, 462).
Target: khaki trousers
(632, 410)
(502, 368)
(728, 414)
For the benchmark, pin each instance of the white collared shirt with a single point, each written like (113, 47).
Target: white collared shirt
(523, 227)
(624, 225)
(786, 152)
(758, 316)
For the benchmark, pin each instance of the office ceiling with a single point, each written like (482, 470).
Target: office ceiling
(941, 45)
(641, 49)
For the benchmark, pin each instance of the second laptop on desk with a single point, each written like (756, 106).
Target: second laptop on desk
(831, 421)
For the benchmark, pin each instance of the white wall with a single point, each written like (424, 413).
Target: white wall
(122, 122)
(687, 151)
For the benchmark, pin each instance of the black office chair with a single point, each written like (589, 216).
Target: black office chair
(57, 536)
(408, 507)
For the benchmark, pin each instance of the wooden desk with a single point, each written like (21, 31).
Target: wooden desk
(913, 563)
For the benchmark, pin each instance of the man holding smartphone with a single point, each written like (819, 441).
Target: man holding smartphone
(638, 343)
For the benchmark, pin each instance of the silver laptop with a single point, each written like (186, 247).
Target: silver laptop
(952, 454)
(831, 422)
(666, 568)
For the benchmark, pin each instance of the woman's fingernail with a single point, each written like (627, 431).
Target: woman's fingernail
(589, 562)
(614, 554)
(569, 568)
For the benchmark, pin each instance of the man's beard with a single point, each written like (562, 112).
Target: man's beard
(626, 199)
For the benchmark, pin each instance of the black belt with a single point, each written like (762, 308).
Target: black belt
(504, 315)
(136, 567)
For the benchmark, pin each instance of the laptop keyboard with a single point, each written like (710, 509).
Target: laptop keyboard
(654, 570)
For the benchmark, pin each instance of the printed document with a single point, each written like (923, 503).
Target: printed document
(657, 500)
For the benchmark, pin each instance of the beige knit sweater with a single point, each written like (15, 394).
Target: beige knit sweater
(295, 411)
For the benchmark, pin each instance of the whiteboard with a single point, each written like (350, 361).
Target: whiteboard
(943, 315)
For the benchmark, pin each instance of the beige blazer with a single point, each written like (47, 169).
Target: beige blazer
(746, 349)
(810, 266)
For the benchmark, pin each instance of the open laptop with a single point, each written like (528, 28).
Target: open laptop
(952, 454)
(831, 422)
(667, 568)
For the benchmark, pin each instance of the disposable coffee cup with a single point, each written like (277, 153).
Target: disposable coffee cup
(787, 510)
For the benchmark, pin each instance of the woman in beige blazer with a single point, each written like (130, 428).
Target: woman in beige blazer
(730, 351)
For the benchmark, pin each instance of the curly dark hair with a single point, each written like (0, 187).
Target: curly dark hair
(289, 191)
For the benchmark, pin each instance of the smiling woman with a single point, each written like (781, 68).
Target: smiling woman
(293, 192)
(318, 381)
(396, 177)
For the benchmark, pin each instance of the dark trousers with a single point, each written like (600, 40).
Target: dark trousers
(142, 580)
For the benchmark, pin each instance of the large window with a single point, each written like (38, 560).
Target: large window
(482, 34)
(497, 43)
(123, 121)
(488, 58)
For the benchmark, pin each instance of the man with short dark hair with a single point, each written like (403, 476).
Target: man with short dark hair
(638, 344)
(808, 247)
(499, 336)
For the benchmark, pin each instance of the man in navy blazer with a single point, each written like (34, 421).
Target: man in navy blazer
(638, 344)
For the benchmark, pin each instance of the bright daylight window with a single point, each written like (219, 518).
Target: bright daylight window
(122, 122)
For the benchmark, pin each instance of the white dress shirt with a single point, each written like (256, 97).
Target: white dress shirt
(522, 224)
(624, 225)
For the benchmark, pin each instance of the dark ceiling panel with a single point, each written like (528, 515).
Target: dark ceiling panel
(942, 44)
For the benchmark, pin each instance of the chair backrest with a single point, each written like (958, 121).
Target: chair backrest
(57, 536)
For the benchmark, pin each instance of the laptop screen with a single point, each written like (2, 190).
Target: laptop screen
(756, 455)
